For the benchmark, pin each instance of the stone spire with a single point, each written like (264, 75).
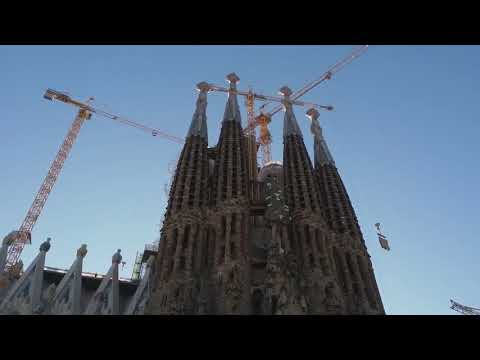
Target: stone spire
(290, 124)
(198, 127)
(321, 152)
(188, 185)
(7, 241)
(117, 257)
(26, 293)
(140, 298)
(184, 226)
(300, 186)
(353, 267)
(229, 201)
(68, 293)
(230, 172)
(310, 237)
(232, 110)
(336, 205)
(106, 300)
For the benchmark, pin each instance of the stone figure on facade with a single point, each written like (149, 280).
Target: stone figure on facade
(233, 289)
(333, 298)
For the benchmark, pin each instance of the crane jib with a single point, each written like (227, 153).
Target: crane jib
(23, 235)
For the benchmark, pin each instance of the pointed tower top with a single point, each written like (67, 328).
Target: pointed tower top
(117, 258)
(10, 238)
(315, 127)
(232, 110)
(198, 127)
(313, 114)
(82, 251)
(290, 125)
(232, 78)
(285, 91)
(321, 151)
(45, 246)
(203, 86)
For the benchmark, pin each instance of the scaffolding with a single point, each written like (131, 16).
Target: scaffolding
(142, 258)
(137, 267)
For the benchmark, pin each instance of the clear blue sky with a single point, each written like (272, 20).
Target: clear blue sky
(404, 136)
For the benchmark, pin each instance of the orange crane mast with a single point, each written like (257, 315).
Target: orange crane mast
(19, 238)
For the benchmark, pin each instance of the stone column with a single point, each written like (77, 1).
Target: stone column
(244, 226)
(167, 257)
(315, 251)
(228, 236)
(77, 281)
(201, 243)
(274, 233)
(158, 265)
(37, 281)
(178, 250)
(116, 259)
(302, 242)
(7, 241)
(212, 247)
(219, 240)
(348, 279)
(192, 243)
(356, 278)
(370, 281)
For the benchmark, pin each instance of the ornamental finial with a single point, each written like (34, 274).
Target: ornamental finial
(117, 258)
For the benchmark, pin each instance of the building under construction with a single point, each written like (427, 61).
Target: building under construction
(281, 239)
(237, 237)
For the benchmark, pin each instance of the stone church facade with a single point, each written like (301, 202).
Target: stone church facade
(281, 240)
(236, 239)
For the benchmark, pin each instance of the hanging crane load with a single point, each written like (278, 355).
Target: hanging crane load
(462, 309)
(17, 239)
(382, 238)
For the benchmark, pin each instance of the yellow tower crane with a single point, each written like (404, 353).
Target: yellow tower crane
(17, 239)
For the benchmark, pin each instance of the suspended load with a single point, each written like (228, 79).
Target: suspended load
(381, 238)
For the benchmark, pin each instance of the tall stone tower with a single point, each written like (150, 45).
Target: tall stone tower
(178, 275)
(284, 242)
(309, 230)
(229, 214)
(352, 261)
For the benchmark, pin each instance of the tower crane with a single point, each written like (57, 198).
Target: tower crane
(462, 309)
(250, 97)
(19, 238)
(264, 118)
(253, 95)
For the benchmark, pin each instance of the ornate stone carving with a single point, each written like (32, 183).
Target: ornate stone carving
(283, 293)
(333, 298)
(234, 286)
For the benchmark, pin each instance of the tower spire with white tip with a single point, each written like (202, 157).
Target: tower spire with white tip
(198, 127)
(322, 154)
(232, 109)
(290, 124)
